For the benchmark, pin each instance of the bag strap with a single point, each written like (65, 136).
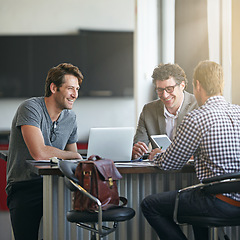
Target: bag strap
(87, 177)
(111, 206)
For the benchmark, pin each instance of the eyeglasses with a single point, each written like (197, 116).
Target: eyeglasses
(168, 89)
(53, 134)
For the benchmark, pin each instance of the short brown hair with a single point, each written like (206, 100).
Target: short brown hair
(56, 76)
(165, 71)
(210, 76)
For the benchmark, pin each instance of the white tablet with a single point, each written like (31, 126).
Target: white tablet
(161, 141)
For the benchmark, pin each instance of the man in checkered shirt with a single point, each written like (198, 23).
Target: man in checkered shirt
(211, 134)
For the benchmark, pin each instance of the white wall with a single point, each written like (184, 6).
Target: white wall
(67, 17)
(58, 16)
(146, 51)
(220, 40)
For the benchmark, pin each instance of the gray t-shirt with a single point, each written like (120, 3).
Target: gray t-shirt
(34, 112)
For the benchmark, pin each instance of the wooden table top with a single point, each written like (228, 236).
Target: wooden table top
(52, 169)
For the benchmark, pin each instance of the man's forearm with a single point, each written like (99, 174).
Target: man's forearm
(49, 151)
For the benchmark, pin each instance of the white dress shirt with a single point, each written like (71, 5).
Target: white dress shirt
(171, 121)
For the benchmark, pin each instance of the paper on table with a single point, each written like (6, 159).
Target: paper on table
(136, 164)
(39, 161)
(49, 161)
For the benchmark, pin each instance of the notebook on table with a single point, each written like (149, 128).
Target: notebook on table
(111, 143)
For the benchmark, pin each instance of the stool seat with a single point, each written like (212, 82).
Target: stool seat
(118, 214)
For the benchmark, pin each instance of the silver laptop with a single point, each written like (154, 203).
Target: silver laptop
(111, 143)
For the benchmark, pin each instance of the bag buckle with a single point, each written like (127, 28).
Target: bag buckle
(110, 182)
(85, 172)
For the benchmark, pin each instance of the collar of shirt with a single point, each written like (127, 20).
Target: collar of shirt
(171, 121)
(213, 99)
(168, 114)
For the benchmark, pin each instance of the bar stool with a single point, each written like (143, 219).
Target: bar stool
(93, 221)
(227, 183)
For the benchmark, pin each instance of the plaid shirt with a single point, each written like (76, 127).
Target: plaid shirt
(211, 134)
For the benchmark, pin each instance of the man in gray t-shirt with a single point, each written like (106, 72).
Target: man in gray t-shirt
(42, 127)
(58, 134)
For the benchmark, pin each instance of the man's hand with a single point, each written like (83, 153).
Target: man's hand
(139, 149)
(154, 152)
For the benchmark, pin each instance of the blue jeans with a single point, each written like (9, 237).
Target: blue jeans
(158, 210)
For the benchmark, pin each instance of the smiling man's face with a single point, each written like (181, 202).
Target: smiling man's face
(66, 95)
(172, 100)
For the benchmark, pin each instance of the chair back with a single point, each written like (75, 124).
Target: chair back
(68, 169)
(3, 156)
(231, 186)
(227, 183)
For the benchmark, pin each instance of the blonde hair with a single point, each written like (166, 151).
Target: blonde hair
(210, 76)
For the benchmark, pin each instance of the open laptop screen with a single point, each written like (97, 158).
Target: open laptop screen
(112, 143)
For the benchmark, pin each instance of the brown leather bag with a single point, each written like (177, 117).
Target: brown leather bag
(99, 179)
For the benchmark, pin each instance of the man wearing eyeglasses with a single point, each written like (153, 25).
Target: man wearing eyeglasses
(163, 116)
(211, 134)
(43, 127)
